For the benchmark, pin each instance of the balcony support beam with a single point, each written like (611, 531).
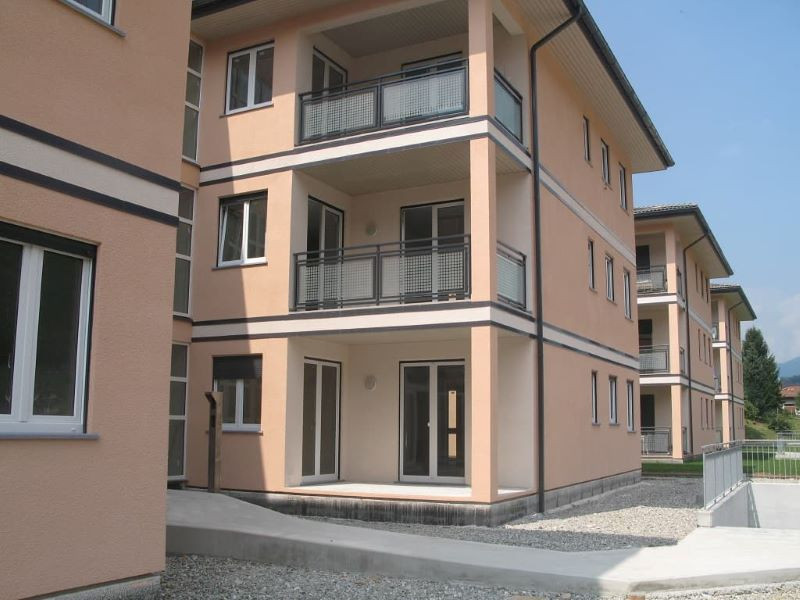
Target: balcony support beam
(484, 395)
(481, 57)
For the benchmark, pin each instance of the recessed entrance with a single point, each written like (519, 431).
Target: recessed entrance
(320, 421)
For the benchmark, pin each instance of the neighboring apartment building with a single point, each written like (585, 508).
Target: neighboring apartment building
(89, 141)
(356, 267)
(677, 255)
(729, 309)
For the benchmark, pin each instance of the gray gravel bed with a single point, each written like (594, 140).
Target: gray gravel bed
(655, 512)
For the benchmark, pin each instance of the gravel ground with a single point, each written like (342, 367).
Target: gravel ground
(655, 512)
(204, 578)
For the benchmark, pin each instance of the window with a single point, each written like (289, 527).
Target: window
(594, 398)
(183, 252)
(250, 78)
(325, 73)
(604, 159)
(178, 381)
(591, 265)
(612, 400)
(103, 9)
(587, 142)
(239, 380)
(609, 278)
(191, 109)
(626, 291)
(705, 349)
(699, 347)
(631, 423)
(242, 230)
(623, 188)
(45, 297)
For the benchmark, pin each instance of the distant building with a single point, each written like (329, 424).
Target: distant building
(789, 396)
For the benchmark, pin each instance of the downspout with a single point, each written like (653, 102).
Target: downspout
(730, 365)
(689, 342)
(537, 240)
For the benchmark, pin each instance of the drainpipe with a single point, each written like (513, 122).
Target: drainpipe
(537, 237)
(689, 342)
(730, 364)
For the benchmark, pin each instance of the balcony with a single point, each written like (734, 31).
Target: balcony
(508, 106)
(656, 440)
(654, 359)
(511, 269)
(651, 280)
(391, 100)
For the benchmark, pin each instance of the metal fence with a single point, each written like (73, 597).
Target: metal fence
(508, 105)
(654, 359)
(656, 440)
(726, 466)
(387, 101)
(652, 280)
(511, 275)
(418, 271)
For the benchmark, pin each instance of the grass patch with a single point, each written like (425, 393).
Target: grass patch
(756, 430)
(690, 467)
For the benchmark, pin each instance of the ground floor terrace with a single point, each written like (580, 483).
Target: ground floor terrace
(373, 422)
(670, 430)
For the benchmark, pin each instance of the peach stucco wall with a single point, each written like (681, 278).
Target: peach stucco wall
(81, 512)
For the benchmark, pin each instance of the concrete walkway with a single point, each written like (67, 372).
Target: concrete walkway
(217, 525)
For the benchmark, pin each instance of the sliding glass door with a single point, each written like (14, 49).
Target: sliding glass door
(320, 455)
(432, 422)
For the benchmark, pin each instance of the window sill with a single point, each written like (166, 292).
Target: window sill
(190, 161)
(182, 317)
(261, 263)
(245, 431)
(613, 424)
(269, 104)
(597, 424)
(94, 18)
(48, 436)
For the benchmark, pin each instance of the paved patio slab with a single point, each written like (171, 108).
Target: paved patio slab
(217, 525)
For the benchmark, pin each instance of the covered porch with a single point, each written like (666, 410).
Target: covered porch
(664, 433)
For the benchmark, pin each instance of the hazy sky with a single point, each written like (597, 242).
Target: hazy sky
(721, 81)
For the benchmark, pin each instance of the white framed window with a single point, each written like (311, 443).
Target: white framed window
(242, 230)
(178, 383)
(612, 400)
(102, 9)
(609, 278)
(183, 253)
(626, 291)
(595, 420)
(623, 188)
(239, 380)
(326, 73)
(604, 162)
(591, 265)
(587, 142)
(191, 109)
(45, 299)
(249, 78)
(631, 413)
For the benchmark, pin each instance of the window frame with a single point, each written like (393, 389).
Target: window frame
(187, 104)
(245, 200)
(238, 424)
(185, 257)
(587, 140)
(183, 417)
(613, 409)
(631, 404)
(106, 13)
(251, 104)
(595, 415)
(623, 188)
(626, 293)
(605, 162)
(610, 291)
(592, 273)
(21, 419)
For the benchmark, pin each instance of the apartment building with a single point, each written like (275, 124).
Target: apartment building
(89, 176)
(729, 309)
(677, 255)
(357, 268)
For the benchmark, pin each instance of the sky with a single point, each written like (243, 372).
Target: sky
(721, 81)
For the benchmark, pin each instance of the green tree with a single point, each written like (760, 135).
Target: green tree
(762, 384)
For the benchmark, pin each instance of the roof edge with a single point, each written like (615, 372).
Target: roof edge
(606, 55)
(202, 9)
(734, 288)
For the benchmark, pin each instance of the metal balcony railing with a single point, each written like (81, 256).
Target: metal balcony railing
(388, 101)
(511, 276)
(508, 106)
(654, 359)
(651, 280)
(685, 440)
(396, 272)
(656, 440)
(682, 358)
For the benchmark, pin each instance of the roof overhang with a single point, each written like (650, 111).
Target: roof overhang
(735, 298)
(692, 227)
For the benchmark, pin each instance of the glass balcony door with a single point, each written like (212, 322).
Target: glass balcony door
(320, 454)
(323, 244)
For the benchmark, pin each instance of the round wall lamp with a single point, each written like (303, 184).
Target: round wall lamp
(371, 229)
(370, 382)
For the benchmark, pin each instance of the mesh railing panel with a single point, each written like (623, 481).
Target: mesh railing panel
(423, 97)
(651, 281)
(657, 441)
(508, 109)
(339, 114)
(510, 279)
(653, 360)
